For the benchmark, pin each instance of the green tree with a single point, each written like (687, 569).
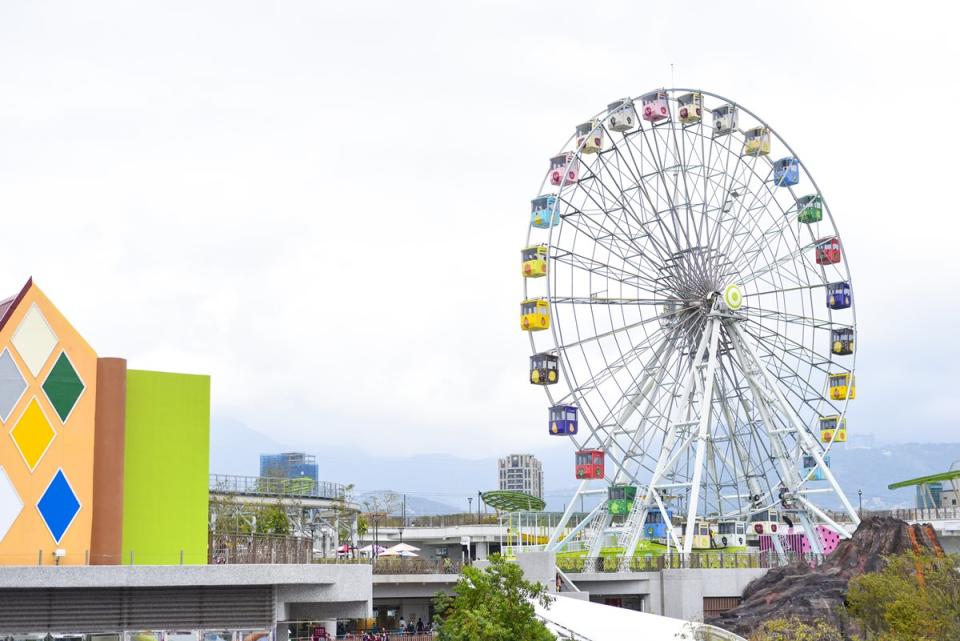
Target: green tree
(793, 629)
(493, 604)
(915, 598)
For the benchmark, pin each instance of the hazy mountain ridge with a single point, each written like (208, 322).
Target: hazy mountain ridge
(438, 483)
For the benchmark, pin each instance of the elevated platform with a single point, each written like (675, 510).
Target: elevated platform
(299, 492)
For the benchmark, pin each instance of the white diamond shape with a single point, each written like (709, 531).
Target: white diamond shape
(10, 504)
(12, 385)
(34, 339)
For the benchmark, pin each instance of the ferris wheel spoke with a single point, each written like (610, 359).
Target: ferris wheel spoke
(643, 189)
(767, 268)
(784, 290)
(651, 343)
(797, 319)
(775, 352)
(611, 300)
(600, 268)
(750, 437)
(676, 168)
(618, 233)
(640, 323)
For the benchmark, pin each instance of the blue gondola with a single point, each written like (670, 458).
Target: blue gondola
(786, 172)
(544, 212)
(563, 420)
(838, 295)
(655, 527)
(809, 462)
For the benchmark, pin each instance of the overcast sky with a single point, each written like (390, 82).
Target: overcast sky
(321, 204)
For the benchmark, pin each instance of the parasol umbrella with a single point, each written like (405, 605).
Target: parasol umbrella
(402, 553)
(369, 549)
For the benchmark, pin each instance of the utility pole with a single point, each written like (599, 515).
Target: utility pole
(479, 499)
(403, 516)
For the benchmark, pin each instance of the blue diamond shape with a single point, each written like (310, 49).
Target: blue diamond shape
(58, 506)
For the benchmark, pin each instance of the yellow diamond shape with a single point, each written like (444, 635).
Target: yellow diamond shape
(33, 434)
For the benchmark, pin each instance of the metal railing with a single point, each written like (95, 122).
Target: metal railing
(693, 561)
(382, 636)
(277, 487)
(258, 548)
(905, 514)
(393, 565)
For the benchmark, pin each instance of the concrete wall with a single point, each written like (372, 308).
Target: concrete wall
(672, 593)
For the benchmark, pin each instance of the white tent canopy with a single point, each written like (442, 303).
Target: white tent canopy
(588, 621)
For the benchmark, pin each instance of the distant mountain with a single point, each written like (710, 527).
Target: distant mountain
(235, 448)
(417, 505)
(439, 483)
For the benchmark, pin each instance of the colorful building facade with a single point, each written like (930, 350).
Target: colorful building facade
(98, 464)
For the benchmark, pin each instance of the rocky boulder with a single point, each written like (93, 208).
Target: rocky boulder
(811, 594)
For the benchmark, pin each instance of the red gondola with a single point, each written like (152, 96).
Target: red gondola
(828, 251)
(589, 464)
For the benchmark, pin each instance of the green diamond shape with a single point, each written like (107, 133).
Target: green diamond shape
(63, 386)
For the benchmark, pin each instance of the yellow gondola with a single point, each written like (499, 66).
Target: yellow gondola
(534, 261)
(843, 387)
(833, 429)
(534, 315)
(756, 142)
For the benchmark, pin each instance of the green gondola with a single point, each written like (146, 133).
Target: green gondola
(811, 209)
(620, 498)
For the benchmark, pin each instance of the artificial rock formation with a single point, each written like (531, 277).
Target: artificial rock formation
(811, 594)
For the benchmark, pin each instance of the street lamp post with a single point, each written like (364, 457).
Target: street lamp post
(860, 499)
(469, 505)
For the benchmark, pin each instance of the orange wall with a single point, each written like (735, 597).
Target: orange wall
(71, 449)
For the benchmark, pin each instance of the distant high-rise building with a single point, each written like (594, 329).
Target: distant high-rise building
(289, 465)
(522, 473)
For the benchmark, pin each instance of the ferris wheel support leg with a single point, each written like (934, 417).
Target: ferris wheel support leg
(741, 453)
(579, 528)
(671, 531)
(703, 434)
(602, 522)
(811, 533)
(842, 531)
(644, 429)
(668, 458)
(566, 515)
(803, 435)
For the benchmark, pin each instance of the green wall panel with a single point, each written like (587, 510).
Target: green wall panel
(166, 468)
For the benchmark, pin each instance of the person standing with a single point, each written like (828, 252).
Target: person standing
(403, 625)
(419, 625)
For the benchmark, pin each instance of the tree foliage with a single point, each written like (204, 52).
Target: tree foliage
(915, 598)
(493, 604)
(793, 629)
(382, 505)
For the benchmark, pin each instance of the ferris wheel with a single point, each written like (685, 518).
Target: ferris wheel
(690, 314)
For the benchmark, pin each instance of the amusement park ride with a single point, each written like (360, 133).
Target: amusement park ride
(691, 320)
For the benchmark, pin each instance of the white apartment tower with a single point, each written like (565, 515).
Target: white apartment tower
(522, 473)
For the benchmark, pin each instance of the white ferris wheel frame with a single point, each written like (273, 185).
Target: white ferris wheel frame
(723, 370)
